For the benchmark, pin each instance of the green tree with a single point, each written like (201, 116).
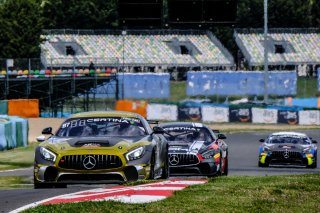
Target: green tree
(79, 14)
(21, 25)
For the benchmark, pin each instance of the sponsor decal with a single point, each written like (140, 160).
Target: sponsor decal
(84, 122)
(242, 115)
(268, 116)
(174, 160)
(286, 154)
(182, 128)
(219, 114)
(91, 145)
(89, 162)
(189, 113)
(290, 117)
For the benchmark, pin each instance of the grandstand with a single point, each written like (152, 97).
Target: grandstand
(162, 48)
(285, 46)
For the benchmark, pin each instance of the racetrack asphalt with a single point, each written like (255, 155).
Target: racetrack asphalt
(243, 161)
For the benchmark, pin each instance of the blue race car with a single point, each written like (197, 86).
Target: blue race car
(288, 148)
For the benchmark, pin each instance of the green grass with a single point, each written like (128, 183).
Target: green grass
(307, 87)
(283, 194)
(9, 182)
(17, 158)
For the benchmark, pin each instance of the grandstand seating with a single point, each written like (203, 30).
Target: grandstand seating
(134, 50)
(301, 48)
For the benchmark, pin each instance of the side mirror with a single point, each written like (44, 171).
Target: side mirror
(41, 138)
(158, 130)
(314, 141)
(221, 136)
(261, 140)
(47, 131)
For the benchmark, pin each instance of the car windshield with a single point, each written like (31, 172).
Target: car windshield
(289, 139)
(101, 126)
(187, 134)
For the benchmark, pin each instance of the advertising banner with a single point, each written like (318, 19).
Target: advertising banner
(309, 117)
(215, 114)
(288, 117)
(264, 116)
(162, 112)
(240, 114)
(192, 113)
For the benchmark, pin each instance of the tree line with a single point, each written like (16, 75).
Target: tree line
(22, 21)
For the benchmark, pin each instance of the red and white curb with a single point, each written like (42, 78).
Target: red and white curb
(127, 194)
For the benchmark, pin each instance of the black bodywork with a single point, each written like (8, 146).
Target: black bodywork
(194, 149)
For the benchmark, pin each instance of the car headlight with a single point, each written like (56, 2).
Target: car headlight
(266, 149)
(307, 150)
(47, 154)
(135, 154)
(208, 154)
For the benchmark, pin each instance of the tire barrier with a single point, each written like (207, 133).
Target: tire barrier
(13, 132)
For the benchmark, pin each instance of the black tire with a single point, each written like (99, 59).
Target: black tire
(165, 170)
(152, 162)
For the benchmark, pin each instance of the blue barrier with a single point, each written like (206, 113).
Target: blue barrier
(304, 102)
(240, 83)
(144, 85)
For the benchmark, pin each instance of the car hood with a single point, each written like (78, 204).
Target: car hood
(287, 146)
(76, 143)
(196, 146)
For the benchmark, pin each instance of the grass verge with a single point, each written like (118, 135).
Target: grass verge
(17, 158)
(9, 182)
(298, 193)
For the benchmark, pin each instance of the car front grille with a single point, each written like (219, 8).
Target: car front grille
(183, 159)
(90, 162)
(285, 154)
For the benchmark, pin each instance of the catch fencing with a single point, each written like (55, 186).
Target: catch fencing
(282, 83)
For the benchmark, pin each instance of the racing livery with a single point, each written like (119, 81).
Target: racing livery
(101, 147)
(195, 149)
(288, 148)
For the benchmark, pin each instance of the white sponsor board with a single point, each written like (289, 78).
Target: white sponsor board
(215, 114)
(265, 116)
(162, 112)
(309, 117)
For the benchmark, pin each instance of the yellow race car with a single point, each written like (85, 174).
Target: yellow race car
(100, 147)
